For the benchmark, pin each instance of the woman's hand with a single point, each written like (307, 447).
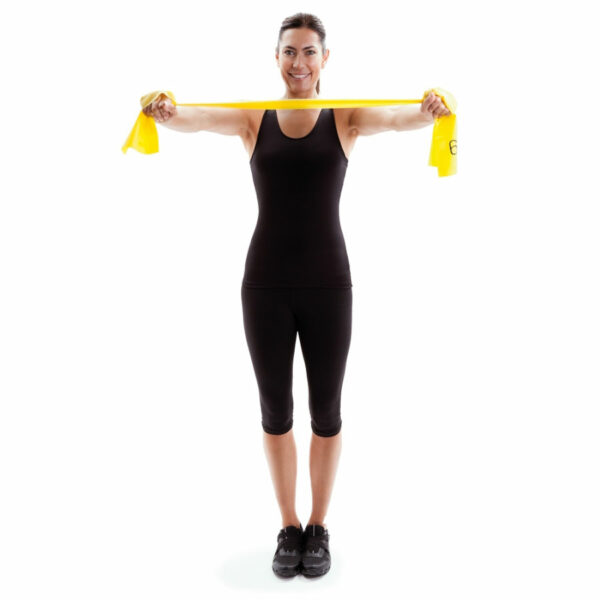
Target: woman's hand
(162, 109)
(434, 107)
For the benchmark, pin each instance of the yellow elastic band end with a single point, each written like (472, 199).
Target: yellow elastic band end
(144, 136)
(152, 96)
(443, 141)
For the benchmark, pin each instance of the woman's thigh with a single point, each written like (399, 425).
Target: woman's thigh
(324, 320)
(270, 329)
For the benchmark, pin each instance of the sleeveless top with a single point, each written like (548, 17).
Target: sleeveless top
(298, 240)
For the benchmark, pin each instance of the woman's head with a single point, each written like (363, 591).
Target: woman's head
(301, 51)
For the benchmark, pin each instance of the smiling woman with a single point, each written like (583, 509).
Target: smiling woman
(297, 281)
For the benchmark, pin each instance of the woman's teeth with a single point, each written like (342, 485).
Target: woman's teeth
(300, 76)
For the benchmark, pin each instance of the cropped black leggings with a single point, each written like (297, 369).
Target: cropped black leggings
(322, 318)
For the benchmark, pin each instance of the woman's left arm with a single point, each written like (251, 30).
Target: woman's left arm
(368, 120)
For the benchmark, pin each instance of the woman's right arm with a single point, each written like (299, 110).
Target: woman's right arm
(228, 121)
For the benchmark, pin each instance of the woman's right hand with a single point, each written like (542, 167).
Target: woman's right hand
(162, 109)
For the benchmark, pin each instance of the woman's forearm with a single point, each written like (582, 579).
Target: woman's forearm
(218, 119)
(410, 118)
(185, 120)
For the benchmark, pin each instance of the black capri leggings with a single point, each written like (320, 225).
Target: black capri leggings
(322, 317)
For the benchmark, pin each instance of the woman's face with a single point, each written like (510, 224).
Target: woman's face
(300, 54)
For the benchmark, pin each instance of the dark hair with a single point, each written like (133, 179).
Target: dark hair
(304, 20)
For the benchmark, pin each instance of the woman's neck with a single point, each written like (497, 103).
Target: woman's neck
(287, 97)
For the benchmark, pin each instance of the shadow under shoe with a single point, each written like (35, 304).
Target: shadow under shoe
(287, 559)
(316, 558)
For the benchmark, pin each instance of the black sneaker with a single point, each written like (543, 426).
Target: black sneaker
(288, 556)
(316, 559)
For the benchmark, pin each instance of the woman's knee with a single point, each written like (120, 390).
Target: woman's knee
(326, 428)
(275, 428)
(277, 411)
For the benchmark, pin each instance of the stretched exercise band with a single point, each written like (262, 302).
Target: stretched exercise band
(144, 136)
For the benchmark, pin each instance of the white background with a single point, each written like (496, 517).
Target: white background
(131, 457)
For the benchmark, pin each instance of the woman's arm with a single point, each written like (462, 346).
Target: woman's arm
(368, 120)
(228, 121)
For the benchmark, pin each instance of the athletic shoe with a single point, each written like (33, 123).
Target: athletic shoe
(288, 556)
(316, 559)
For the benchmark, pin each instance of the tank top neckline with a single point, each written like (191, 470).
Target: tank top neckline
(304, 136)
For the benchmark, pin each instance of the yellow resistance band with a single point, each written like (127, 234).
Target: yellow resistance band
(144, 136)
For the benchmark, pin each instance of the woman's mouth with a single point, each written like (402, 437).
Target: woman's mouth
(299, 76)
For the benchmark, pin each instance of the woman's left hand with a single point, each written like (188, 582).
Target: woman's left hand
(434, 107)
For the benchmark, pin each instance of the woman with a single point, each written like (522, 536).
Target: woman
(297, 276)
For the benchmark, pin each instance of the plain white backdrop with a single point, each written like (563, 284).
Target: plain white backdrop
(131, 457)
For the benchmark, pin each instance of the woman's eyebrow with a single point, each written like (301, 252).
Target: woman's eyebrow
(305, 47)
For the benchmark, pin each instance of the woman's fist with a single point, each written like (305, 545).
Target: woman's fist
(434, 107)
(162, 109)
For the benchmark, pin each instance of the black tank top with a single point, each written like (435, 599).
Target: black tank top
(298, 240)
